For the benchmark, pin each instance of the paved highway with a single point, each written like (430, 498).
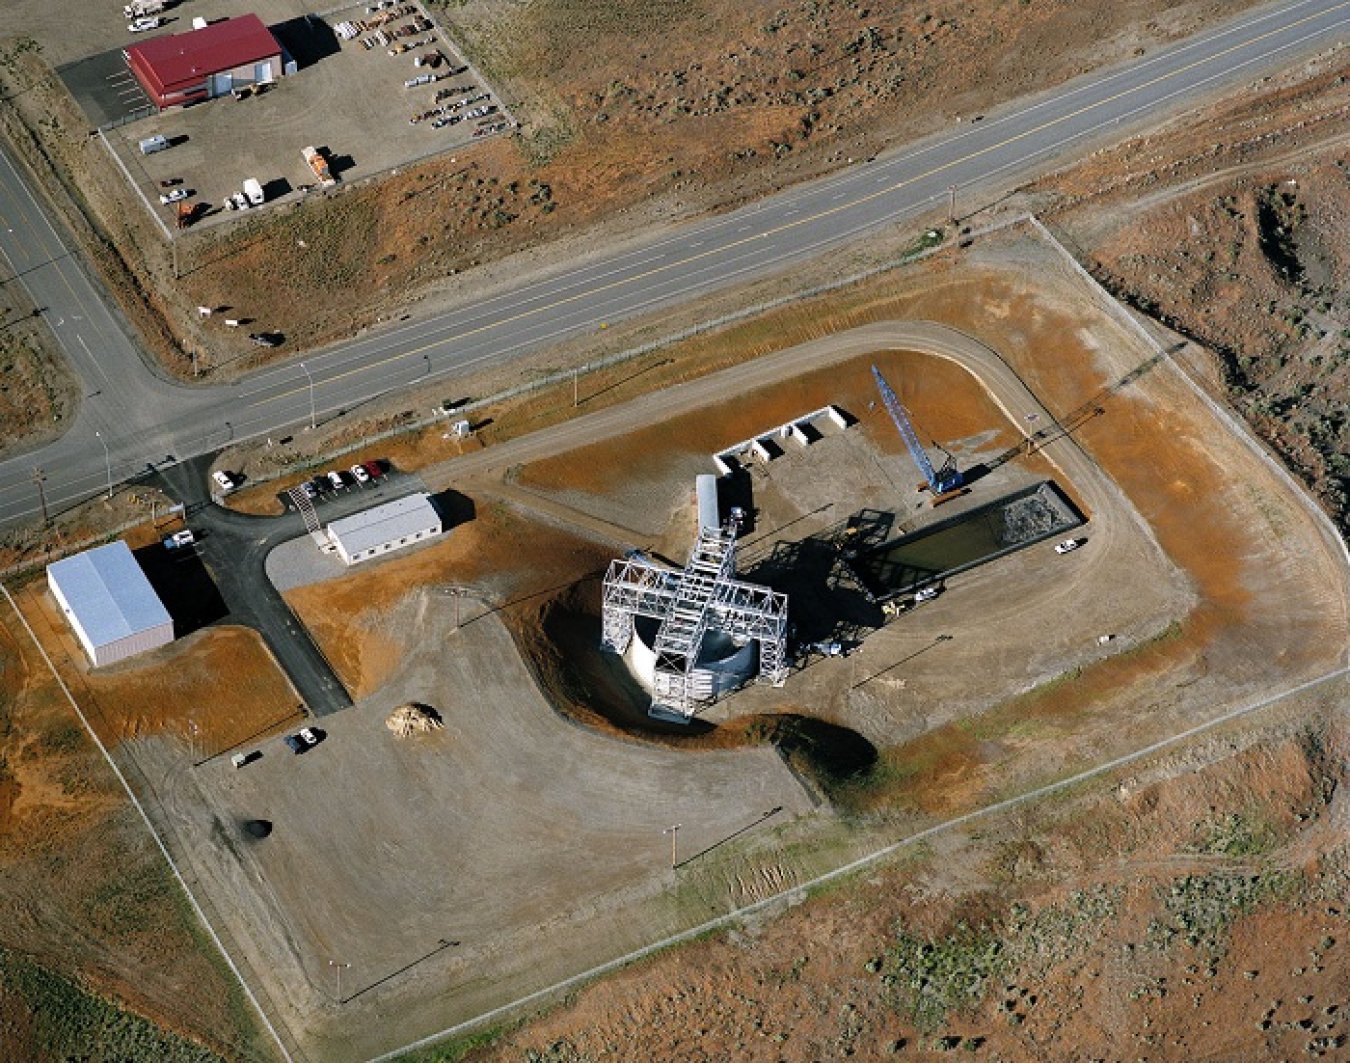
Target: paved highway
(144, 419)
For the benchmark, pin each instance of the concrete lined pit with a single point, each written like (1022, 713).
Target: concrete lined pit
(965, 541)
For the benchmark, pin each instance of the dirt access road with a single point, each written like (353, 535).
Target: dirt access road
(458, 870)
(361, 815)
(1262, 578)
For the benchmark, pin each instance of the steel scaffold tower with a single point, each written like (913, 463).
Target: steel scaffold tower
(704, 597)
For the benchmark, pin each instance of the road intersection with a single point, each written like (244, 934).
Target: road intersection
(147, 420)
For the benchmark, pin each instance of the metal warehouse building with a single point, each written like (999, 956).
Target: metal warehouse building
(110, 605)
(183, 68)
(391, 526)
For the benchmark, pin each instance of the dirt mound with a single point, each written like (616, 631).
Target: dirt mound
(413, 719)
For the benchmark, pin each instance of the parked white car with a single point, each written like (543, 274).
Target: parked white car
(359, 474)
(173, 196)
(224, 479)
(144, 25)
(1067, 545)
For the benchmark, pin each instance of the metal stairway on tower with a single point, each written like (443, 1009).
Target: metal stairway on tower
(703, 597)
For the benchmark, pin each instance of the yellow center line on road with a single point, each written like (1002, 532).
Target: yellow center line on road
(809, 219)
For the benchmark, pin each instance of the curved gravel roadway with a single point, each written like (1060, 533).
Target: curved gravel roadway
(1104, 499)
(140, 418)
(1111, 514)
(925, 337)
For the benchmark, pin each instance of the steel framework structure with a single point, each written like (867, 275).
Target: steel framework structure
(703, 597)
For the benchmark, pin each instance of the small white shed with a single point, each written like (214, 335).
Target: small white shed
(109, 603)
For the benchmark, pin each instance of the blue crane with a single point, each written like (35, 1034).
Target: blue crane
(948, 478)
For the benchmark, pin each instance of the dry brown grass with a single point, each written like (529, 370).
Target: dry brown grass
(221, 679)
(86, 890)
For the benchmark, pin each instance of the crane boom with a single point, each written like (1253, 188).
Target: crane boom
(938, 482)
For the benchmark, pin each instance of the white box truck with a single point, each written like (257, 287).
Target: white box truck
(254, 191)
(150, 145)
(141, 8)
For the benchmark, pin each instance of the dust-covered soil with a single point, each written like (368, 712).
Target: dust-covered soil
(39, 395)
(1192, 906)
(972, 717)
(631, 116)
(1228, 226)
(86, 892)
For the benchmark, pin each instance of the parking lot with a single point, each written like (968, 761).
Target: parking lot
(349, 98)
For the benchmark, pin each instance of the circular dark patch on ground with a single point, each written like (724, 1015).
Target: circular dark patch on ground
(257, 828)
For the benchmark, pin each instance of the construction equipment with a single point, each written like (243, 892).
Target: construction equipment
(319, 165)
(944, 483)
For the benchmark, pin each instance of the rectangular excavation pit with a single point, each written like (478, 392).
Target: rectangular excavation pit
(1002, 526)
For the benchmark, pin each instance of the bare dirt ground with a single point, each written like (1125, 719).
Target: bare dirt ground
(1236, 842)
(1191, 907)
(631, 116)
(949, 737)
(492, 854)
(38, 395)
(1014, 297)
(87, 892)
(1237, 244)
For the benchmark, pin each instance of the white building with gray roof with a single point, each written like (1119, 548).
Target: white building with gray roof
(382, 529)
(109, 603)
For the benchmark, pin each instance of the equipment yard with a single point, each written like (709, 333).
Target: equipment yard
(266, 134)
(438, 876)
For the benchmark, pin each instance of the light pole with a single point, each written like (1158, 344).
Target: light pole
(338, 968)
(311, 396)
(107, 458)
(673, 832)
(951, 210)
(39, 477)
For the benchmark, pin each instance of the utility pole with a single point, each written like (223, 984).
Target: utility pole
(338, 968)
(575, 386)
(951, 208)
(673, 832)
(311, 396)
(107, 459)
(39, 477)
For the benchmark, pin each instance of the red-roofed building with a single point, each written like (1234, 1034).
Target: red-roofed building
(183, 68)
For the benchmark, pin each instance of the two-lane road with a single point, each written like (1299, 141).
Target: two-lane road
(145, 419)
